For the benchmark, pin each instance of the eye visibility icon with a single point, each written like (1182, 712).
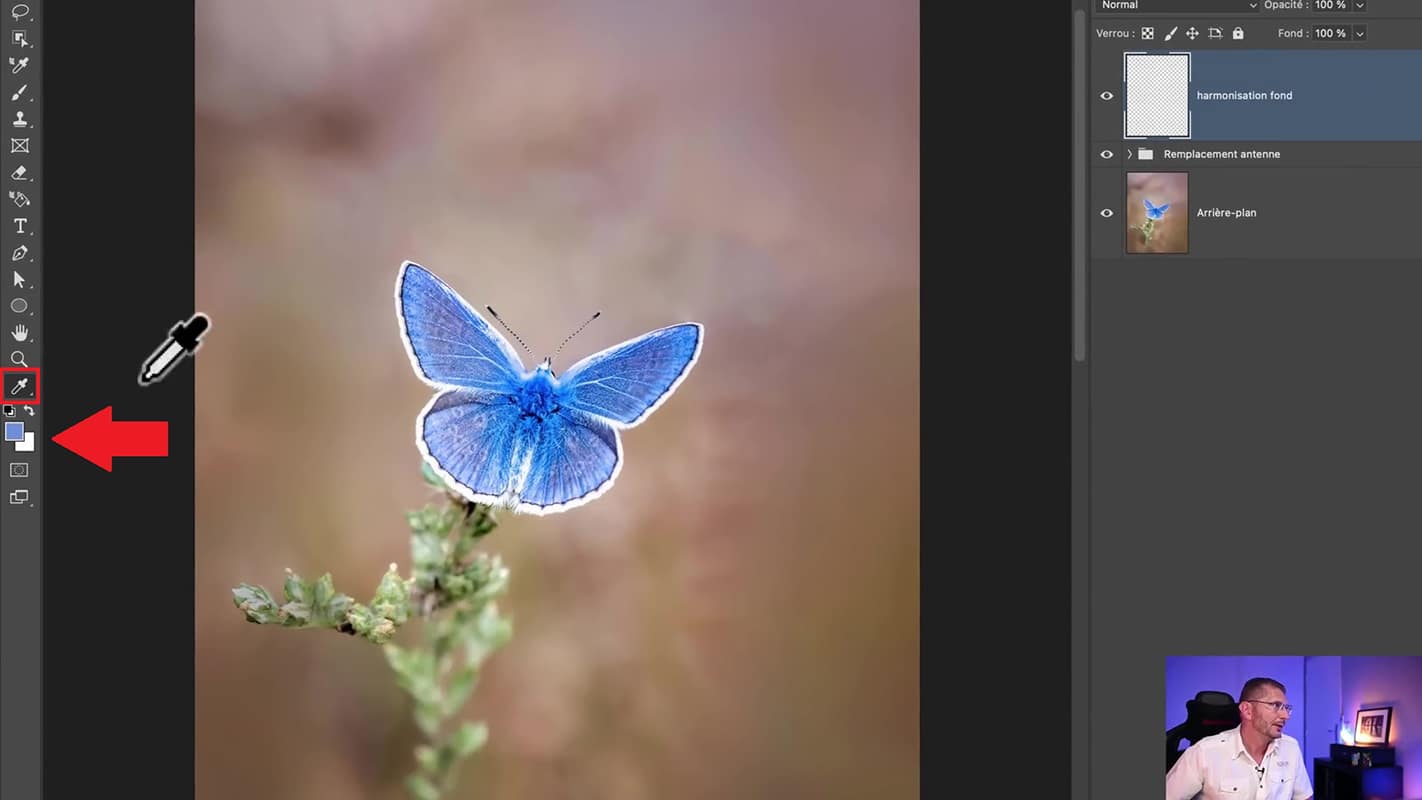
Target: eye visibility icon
(1107, 154)
(1107, 96)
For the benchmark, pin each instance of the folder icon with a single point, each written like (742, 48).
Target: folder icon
(1145, 154)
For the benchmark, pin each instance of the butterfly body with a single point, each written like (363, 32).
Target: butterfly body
(538, 397)
(528, 439)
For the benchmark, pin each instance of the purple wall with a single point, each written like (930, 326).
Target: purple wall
(1390, 681)
(1187, 675)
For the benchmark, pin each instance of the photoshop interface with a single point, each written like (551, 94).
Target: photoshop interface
(1246, 357)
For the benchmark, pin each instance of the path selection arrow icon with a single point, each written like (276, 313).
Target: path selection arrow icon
(99, 439)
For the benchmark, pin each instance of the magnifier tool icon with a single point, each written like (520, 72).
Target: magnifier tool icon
(20, 10)
(17, 357)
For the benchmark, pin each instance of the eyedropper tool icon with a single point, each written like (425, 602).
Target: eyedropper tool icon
(183, 340)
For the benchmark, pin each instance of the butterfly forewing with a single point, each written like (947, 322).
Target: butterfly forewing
(625, 383)
(449, 344)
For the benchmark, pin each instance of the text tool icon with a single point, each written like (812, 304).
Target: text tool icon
(183, 340)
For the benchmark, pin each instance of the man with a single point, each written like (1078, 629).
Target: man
(1256, 761)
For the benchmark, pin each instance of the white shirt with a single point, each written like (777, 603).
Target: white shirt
(1219, 768)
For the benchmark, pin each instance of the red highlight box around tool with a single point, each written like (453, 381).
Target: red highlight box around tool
(5, 371)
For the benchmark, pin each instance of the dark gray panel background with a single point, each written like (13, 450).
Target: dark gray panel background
(1253, 428)
(1256, 448)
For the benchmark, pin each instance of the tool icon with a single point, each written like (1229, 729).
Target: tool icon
(19, 199)
(18, 64)
(183, 340)
(19, 10)
(18, 92)
(20, 253)
(18, 37)
(1168, 37)
(19, 173)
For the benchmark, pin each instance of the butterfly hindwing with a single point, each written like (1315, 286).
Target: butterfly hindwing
(576, 459)
(625, 383)
(449, 344)
(476, 440)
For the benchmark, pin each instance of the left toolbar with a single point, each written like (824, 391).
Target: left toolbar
(22, 340)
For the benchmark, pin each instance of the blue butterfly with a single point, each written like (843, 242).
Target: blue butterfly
(1155, 212)
(529, 440)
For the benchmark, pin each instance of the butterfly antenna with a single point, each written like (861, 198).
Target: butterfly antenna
(576, 332)
(507, 328)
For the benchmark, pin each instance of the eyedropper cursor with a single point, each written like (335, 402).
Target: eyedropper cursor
(183, 340)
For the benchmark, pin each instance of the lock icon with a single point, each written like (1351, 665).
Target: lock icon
(1238, 34)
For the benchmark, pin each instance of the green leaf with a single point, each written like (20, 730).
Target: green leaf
(295, 615)
(339, 605)
(468, 739)
(256, 604)
(460, 687)
(421, 788)
(427, 716)
(322, 592)
(431, 477)
(428, 758)
(427, 552)
(297, 590)
(392, 597)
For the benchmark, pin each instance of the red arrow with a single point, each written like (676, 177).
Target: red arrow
(99, 438)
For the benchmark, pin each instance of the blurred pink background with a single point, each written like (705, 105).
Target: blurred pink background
(738, 616)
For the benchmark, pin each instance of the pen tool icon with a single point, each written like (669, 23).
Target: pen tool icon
(183, 340)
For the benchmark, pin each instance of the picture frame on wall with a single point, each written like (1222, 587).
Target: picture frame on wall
(1373, 726)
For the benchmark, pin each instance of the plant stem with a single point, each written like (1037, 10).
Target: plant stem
(452, 590)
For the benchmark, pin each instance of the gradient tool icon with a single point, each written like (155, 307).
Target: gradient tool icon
(183, 340)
